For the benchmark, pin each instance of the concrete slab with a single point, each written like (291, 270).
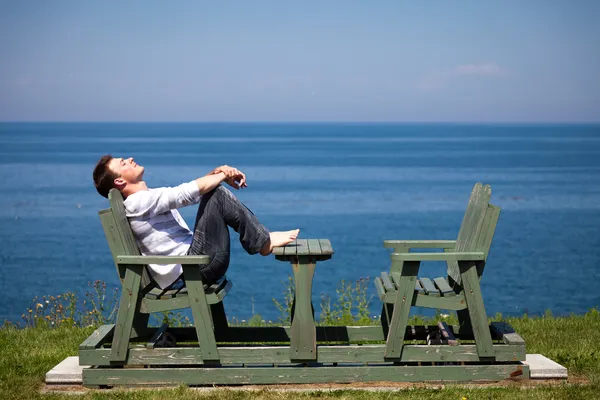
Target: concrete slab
(67, 371)
(541, 367)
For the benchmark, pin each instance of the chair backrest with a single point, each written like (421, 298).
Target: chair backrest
(477, 228)
(119, 235)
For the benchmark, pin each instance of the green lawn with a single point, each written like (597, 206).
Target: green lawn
(27, 354)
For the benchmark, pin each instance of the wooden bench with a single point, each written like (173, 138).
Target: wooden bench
(213, 352)
(402, 288)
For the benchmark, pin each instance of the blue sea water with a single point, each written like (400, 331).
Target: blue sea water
(356, 184)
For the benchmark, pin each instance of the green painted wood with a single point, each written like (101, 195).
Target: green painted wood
(484, 242)
(471, 226)
(127, 259)
(302, 247)
(298, 375)
(446, 256)
(380, 289)
(280, 355)
(326, 248)
(220, 323)
(387, 283)
(200, 313)
(102, 334)
(303, 343)
(157, 336)
(314, 246)
(113, 239)
(420, 244)
(477, 314)
(429, 287)
(454, 303)
(129, 304)
(442, 284)
(404, 296)
(506, 333)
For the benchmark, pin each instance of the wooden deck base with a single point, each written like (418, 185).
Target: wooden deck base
(101, 377)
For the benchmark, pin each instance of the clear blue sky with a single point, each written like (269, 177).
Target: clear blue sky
(434, 61)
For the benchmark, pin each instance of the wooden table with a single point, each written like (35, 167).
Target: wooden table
(303, 254)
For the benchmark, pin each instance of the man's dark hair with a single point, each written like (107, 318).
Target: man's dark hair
(103, 176)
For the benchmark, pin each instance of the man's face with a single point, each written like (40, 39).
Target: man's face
(127, 170)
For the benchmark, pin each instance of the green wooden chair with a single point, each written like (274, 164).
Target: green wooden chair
(141, 296)
(460, 291)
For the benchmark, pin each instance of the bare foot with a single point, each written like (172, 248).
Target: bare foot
(278, 239)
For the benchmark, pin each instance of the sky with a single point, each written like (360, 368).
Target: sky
(306, 61)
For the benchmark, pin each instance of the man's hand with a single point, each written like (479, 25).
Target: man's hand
(233, 176)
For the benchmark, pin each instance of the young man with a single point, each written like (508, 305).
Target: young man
(160, 230)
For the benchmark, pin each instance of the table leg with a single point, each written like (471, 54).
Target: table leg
(303, 342)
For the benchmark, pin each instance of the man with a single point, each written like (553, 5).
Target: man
(160, 230)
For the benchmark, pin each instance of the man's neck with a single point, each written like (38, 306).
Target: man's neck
(132, 188)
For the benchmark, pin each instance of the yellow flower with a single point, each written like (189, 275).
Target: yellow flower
(39, 305)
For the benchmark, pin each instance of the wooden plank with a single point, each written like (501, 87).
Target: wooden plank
(447, 334)
(454, 303)
(99, 336)
(379, 288)
(290, 250)
(128, 307)
(280, 355)
(442, 284)
(201, 313)
(404, 296)
(298, 375)
(303, 341)
(302, 247)
(387, 283)
(429, 287)
(420, 244)
(476, 309)
(446, 256)
(314, 246)
(506, 333)
(190, 260)
(326, 248)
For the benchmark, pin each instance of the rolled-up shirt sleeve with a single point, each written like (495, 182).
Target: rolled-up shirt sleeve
(148, 203)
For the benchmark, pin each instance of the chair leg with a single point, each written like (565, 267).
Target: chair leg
(387, 310)
(140, 324)
(464, 322)
(129, 305)
(476, 309)
(397, 329)
(219, 319)
(201, 313)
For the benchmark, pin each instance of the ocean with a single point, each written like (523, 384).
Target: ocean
(356, 184)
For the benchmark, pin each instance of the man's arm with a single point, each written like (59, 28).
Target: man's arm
(209, 182)
(233, 177)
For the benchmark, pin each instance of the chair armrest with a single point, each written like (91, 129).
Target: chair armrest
(163, 259)
(470, 256)
(420, 244)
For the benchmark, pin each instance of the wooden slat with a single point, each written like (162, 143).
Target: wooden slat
(420, 244)
(447, 334)
(314, 246)
(365, 353)
(99, 336)
(444, 288)
(143, 260)
(326, 248)
(379, 288)
(290, 250)
(302, 247)
(429, 287)
(387, 283)
(266, 375)
(446, 256)
(506, 333)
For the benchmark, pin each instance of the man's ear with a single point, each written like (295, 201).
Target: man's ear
(119, 183)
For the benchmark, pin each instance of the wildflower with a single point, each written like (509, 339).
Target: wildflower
(39, 305)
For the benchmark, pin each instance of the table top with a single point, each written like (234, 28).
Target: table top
(316, 248)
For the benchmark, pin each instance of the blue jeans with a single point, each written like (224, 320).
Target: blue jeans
(218, 210)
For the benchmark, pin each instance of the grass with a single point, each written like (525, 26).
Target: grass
(573, 341)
